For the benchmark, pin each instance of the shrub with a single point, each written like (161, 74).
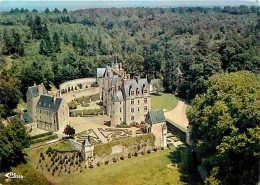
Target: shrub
(98, 164)
(56, 168)
(43, 158)
(53, 170)
(136, 154)
(114, 160)
(122, 157)
(45, 138)
(49, 169)
(40, 135)
(129, 155)
(155, 149)
(142, 152)
(49, 154)
(106, 163)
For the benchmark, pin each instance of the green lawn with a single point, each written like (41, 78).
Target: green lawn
(164, 101)
(148, 169)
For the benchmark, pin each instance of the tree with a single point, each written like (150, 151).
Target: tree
(56, 43)
(9, 96)
(69, 131)
(225, 123)
(47, 10)
(56, 10)
(13, 139)
(65, 11)
(36, 28)
(46, 46)
(66, 39)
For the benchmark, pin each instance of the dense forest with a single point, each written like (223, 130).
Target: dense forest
(181, 46)
(210, 56)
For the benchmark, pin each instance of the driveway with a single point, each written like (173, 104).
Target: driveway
(178, 114)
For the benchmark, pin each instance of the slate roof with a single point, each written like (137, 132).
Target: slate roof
(26, 118)
(156, 116)
(134, 85)
(100, 72)
(34, 90)
(118, 97)
(46, 102)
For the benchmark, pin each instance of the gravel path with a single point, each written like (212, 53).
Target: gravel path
(178, 114)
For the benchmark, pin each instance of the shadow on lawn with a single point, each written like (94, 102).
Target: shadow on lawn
(185, 160)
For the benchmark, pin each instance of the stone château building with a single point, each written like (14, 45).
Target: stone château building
(126, 100)
(32, 96)
(50, 112)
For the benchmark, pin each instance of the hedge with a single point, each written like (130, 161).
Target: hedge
(45, 138)
(87, 112)
(130, 141)
(40, 135)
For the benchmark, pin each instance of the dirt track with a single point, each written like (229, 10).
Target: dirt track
(178, 114)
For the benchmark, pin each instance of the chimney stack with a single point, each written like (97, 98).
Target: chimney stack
(40, 89)
(54, 98)
(120, 66)
(137, 79)
(128, 76)
(116, 88)
(108, 79)
(124, 82)
(21, 116)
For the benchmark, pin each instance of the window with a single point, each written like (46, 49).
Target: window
(138, 109)
(138, 101)
(120, 109)
(145, 108)
(145, 100)
(120, 119)
(132, 101)
(132, 117)
(145, 91)
(132, 93)
(132, 110)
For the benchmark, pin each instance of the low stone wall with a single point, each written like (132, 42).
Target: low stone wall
(76, 144)
(77, 84)
(68, 97)
(124, 148)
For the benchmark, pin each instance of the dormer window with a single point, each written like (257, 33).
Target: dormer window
(132, 93)
(145, 91)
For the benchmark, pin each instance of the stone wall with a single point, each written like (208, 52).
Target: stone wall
(119, 151)
(76, 85)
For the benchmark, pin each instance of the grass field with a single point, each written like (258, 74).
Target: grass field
(147, 169)
(164, 101)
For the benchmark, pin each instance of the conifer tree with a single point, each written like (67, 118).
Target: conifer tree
(56, 43)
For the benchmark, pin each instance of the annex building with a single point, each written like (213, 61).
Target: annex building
(126, 100)
(48, 111)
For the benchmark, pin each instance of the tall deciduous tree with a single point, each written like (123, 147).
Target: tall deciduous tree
(9, 96)
(13, 139)
(226, 130)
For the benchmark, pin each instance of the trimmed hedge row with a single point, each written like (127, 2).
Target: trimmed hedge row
(130, 141)
(87, 112)
(45, 138)
(40, 135)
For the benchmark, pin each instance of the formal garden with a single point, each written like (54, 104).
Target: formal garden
(82, 136)
(113, 134)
